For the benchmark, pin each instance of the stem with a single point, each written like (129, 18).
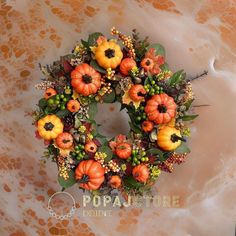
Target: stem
(205, 72)
(83, 180)
(175, 138)
(203, 105)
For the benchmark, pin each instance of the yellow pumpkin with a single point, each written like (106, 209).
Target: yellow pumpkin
(108, 54)
(169, 138)
(49, 127)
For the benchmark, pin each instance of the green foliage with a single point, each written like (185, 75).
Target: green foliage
(155, 151)
(188, 104)
(164, 67)
(109, 98)
(160, 50)
(92, 110)
(62, 113)
(132, 183)
(92, 39)
(189, 117)
(42, 103)
(105, 148)
(85, 43)
(176, 78)
(98, 68)
(69, 182)
(183, 148)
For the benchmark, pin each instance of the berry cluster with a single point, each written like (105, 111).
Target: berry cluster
(79, 152)
(138, 156)
(58, 101)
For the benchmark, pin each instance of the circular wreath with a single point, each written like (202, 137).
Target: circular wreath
(123, 69)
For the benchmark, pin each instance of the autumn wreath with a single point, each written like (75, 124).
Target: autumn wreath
(134, 73)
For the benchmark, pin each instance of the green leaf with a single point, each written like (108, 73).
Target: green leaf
(69, 182)
(92, 39)
(147, 81)
(92, 110)
(53, 150)
(122, 106)
(77, 122)
(155, 151)
(98, 68)
(62, 113)
(109, 98)
(132, 183)
(105, 148)
(189, 117)
(176, 78)
(135, 127)
(188, 104)
(85, 43)
(165, 66)
(160, 50)
(183, 148)
(42, 103)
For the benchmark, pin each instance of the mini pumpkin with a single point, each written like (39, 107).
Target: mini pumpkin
(115, 181)
(169, 138)
(85, 80)
(108, 54)
(49, 127)
(147, 126)
(147, 64)
(64, 140)
(137, 92)
(89, 174)
(49, 93)
(123, 150)
(90, 147)
(73, 105)
(141, 173)
(126, 65)
(160, 108)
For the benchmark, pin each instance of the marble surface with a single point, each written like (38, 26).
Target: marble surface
(197, 35)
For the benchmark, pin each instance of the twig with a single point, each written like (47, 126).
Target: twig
(203, 105)
(205, 72)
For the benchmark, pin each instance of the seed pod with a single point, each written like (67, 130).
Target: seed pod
(77, 137)
(72, 131)
(137, 80)
(82, 139)
(153, 135)
(142, 73)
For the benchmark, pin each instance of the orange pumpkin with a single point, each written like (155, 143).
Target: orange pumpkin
(147, 64)
(136, 92)
(49, 93)
(64, 140)
(147, 126)
(90, 174)
(90, 147)
(160, 108)
(85, 80)
(141, 173)
(115, 181)
(73, 105)
(123, 150)
(126, 65)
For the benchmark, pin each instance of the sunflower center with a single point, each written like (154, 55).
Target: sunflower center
(87, 79)
(48, 126)
(148, 62)
(162, 108)
(110, 53)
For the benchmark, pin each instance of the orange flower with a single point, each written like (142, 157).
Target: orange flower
(118, 139)
(157, 60)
